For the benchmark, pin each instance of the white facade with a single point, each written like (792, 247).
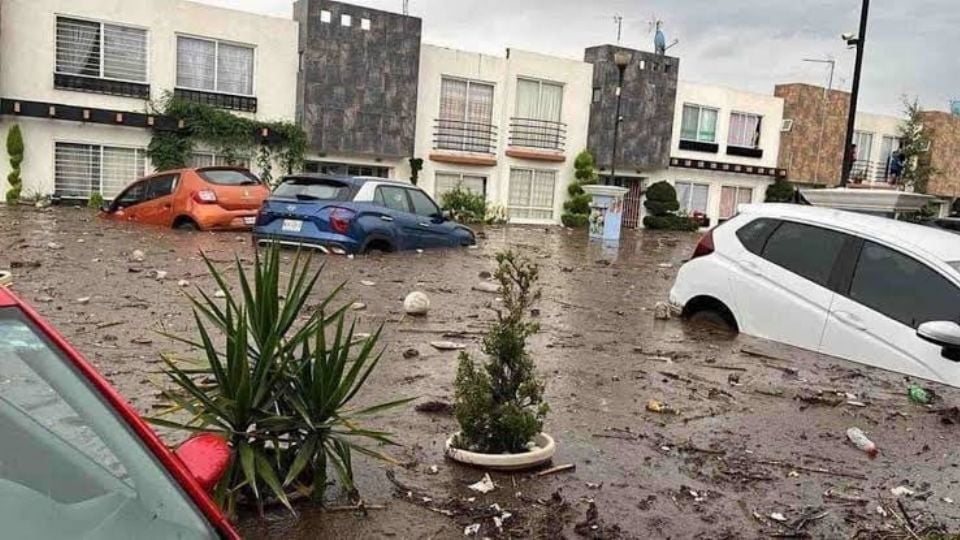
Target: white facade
(478, 122)
(722, 125)
(29, 58)
(876, 137)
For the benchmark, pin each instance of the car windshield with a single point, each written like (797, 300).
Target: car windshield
(229, 177)
(69, 466)
(313, 190)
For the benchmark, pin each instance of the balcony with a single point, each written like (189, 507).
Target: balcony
(871, 172)
(463, 136)
(538, 134)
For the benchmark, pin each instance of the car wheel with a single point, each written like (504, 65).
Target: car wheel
(712, 318)
(186, 225)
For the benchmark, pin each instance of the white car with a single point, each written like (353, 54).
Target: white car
(869, 289)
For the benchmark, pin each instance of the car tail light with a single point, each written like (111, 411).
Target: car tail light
(340, 220)
(205, 196)
(705, 246)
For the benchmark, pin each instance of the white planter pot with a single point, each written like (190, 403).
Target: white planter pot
(542, 452)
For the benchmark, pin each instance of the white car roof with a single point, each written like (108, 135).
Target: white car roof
(937, 243)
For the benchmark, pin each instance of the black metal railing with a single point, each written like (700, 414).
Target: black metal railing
(535, 133)
(216, 99)
(464, 136)
(63, 81)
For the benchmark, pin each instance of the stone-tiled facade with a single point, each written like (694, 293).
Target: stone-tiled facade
(357, 89)
(647, 108)
(943, 129)
(812, 112)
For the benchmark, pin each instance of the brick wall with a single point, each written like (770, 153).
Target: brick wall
(805, 104)
(944, 132)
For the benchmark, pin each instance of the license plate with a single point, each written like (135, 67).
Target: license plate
(291, 225)
(252, 220)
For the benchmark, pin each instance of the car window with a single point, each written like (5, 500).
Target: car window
(135, 194)
(394, 198)
(313, 190)
(805, 250)
(903, 288)
(754, 235)
(161, 186)
(229, 177)
(422, 205)
(69, 466)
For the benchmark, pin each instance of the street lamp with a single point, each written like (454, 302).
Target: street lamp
(621, 59)
(854, 41)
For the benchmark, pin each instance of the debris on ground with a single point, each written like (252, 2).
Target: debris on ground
(447, 346)
(820, 398)
(919, 395)
(434, 469)
(661, 311)
(484, 485)
(900, 491)
(557, 469)
(83, 300)
(183, 283)
(777, 516)
(656, 406)
(219, 294)
(367, 282)
(358, 306)
(54, 246)
(471, 530)
(949, 417)
(435, 407)
(485, 275)
(857, 437)
(138, 256)
(159, 275)
(416, 303)
(487, 287)
(410, 354)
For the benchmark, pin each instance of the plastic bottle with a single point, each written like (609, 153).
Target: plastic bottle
(861, 441)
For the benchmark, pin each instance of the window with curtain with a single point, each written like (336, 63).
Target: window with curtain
(692, 197)
(731, 197)
(81, 170)
(539, 107)
(698, 124)
(214, 66)
(466, 115)
(446, 182)
(744, 130)
(531, 194)
(94, 49)
(209, 159)
(864, 142)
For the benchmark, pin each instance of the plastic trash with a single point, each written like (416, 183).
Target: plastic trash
(861, 441)
(919, 395)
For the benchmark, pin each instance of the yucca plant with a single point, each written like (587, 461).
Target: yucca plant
(276, 391)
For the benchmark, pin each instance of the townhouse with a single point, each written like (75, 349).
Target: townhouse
(79, 77)
(507, 127)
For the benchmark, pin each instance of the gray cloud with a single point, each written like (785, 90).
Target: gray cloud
(751, 44)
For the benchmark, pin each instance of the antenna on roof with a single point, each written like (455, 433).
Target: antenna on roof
(406, 7)
(618, 19)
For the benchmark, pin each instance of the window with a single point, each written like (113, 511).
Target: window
(539, 100)
(422, 205)
(864, 142)
(466, 112)
(209, 159)
(346, 169)
(597, 94)
(807, 251)
(698, 124)
(70, 463)
(229, 177)
(394, 198)
(325, 16)
(744, 130)
(446, 182)
(314, 189)
(532, 193)
(346, 20)
(80, 170)
(161, 186)
(692, 197)
(365, 24)
(754, 235)
(214, 66)
(731, 197)
(134, 194)
(902, 288)
(108, 51)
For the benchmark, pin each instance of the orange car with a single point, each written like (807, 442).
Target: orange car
(206, 198)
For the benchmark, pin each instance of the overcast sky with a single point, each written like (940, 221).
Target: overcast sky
(913, 46)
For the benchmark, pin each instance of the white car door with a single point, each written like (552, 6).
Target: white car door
(781, 283)
(889, 295)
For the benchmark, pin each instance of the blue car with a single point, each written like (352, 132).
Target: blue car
(340, 215)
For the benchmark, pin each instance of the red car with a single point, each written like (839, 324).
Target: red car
(76, 461)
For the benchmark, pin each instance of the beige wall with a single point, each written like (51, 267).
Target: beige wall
(503, 72)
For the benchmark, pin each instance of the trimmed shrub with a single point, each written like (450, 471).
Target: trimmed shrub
(15, 151)
(661, 199)
(780, 191)
(466, 206)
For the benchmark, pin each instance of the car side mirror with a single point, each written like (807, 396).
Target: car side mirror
(446, 215)
(207, 457)
(945, 334)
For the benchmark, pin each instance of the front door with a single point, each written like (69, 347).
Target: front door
(406, 224)
(874, 320)
(157, 208)
(434, 231)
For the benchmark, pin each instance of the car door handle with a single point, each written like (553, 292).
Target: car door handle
(750, 266)
(424, 224)
(386, 218)
(851, 319)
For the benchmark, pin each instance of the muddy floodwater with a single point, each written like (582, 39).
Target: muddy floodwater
(755, 447)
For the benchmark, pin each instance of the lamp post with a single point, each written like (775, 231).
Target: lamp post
(854, 92)
(621, 59)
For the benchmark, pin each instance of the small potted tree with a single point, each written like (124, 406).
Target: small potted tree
(499, 403)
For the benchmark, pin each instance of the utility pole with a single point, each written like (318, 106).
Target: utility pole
(406, 7)
(823, 112)
(857, 42)
(619, 20)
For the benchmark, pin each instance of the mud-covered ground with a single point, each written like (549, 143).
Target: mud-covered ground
(757, 447)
